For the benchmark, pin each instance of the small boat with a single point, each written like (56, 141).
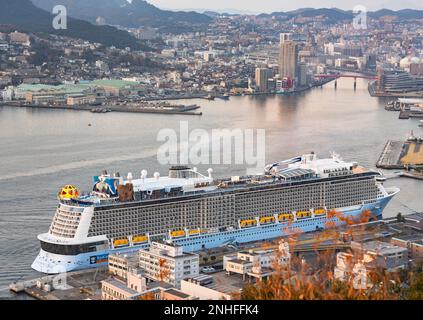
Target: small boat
(224, 97)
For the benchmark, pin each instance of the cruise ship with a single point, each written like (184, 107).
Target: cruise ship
(197, 211)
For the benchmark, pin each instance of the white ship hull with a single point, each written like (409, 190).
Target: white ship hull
(53, 263)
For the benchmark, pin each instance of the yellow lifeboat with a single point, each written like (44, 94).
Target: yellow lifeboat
(319, 212)
(267, 220)
(177, 233)
(139, 239)
(194, 232)
(68, 192)
(120, 242)
(247, 223)
(286, 217)
(303, 214)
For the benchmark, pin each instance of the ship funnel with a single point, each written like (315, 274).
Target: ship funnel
(156, 176)
(210, 171)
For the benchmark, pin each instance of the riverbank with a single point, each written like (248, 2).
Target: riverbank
(185, 110)
(382, 94)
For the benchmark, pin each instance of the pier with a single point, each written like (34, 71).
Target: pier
(76, 285)
(391, 155)
(130, 108)
(407, 156)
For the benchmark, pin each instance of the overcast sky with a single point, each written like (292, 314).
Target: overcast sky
(255, 6)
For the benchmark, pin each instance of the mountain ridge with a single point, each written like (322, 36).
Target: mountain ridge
(336, 14)
(26, 17)
(138, 13)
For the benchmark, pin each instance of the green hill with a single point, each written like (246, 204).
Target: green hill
(25, 16)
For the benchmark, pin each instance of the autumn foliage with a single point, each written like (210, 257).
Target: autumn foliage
(313, 278)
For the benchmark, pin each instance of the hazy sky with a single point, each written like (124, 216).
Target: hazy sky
(255, 6)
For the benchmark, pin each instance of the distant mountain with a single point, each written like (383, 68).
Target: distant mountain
(401, 14)
(129, 14)
(332, 15)
(23, 15)
(336, 15)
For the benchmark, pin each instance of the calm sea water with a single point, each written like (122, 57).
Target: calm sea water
(41, 150)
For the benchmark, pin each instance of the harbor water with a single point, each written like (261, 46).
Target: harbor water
(42, 150)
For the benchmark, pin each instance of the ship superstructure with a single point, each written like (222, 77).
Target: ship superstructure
(199, 211)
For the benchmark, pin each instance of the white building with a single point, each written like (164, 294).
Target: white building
(103, 66)
(344, 266)
(120, 264)
(204, 287)
(8, 93)
(257, 262)
(167, 263)
(134, 287)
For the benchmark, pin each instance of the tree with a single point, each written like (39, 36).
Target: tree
(400, 217)
(415, 292)
(299, 280)
(164, 271)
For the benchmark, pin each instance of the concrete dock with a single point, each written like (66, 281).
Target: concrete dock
(76, 285)
(391, 155)
(181, 110)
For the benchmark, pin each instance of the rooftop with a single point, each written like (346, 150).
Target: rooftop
(377, 247)
(408, 237)
(415, 221)
(240, 261)
(66, 88)
(118, 84)
(226, 284)
(120, 284)
(177, 293)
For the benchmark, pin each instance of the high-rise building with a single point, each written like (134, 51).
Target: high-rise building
(262, 78)
(302, 74)
(288, 57)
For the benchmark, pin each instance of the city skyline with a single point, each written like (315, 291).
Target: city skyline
(238, 6)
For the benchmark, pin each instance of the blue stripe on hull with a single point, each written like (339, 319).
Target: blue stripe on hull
(50, 263)
(267, 232)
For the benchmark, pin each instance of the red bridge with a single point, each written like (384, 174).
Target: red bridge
(339, 75)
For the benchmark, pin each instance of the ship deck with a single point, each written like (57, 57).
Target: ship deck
(219, 189)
